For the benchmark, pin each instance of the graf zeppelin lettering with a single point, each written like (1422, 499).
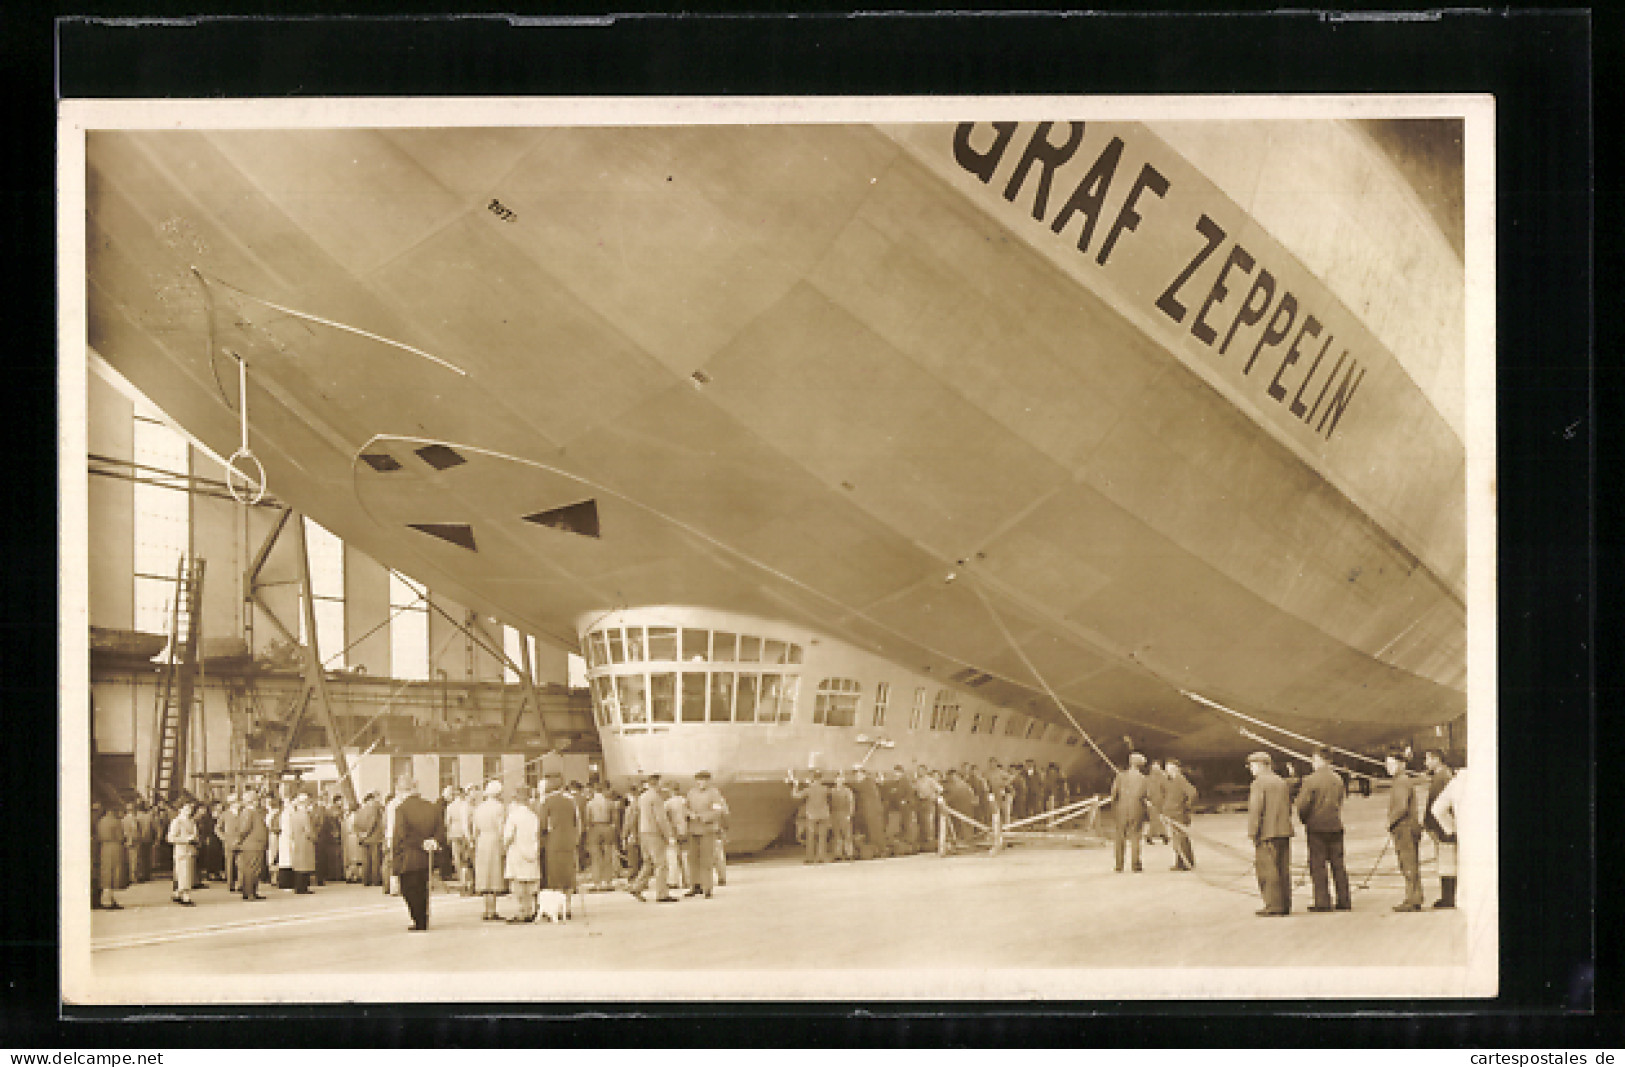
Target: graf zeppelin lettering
(1267, 336)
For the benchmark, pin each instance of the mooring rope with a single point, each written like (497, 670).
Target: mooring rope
(1278, 729)
(1016, 647)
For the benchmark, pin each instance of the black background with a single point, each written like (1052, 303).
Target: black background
(1538, 65)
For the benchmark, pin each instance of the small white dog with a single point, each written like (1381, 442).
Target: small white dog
(552, 905)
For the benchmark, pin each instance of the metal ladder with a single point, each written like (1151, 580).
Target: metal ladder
(176, 691)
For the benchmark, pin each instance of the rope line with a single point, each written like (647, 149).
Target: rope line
(1295, 754)
(308, 317)
(1022, 655)
(387, 620)
(1278, 729)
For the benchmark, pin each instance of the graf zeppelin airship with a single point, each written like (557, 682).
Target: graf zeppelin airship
(833, 445)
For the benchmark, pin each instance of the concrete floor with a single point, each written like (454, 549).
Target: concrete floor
(1035, 921)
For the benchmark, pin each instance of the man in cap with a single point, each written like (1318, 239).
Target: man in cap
(1178, 802)
(419, 833)
(1269, 824)
(654, 835)
(1320, 807)
(816, 794)
(1128, 801)
(1405, 827)
(705, 809)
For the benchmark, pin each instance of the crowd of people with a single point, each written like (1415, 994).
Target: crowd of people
(862, 815)
(242, 842)
(1421, 801)
(657, 836)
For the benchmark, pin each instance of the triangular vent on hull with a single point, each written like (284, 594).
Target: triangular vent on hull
(440, 457)
(458, 533)
(382, 462)
(579, 518)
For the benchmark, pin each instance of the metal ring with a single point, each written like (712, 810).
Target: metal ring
(257, 484)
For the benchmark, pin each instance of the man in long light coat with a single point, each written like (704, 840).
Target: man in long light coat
(1444, 811)
(300, 830)
(182, 838)
(489, 820)
(522, 859)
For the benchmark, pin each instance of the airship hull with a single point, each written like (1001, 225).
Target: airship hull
(1038, 412)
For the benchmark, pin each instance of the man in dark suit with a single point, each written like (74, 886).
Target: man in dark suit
(1269, 824)
(1320, 806)
(225, 828)
(252, 841)
(418, 832)
(369, 830)
(1129, 809)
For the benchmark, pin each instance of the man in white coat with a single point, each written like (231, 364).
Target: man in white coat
(1444, 811)
(522, 856)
